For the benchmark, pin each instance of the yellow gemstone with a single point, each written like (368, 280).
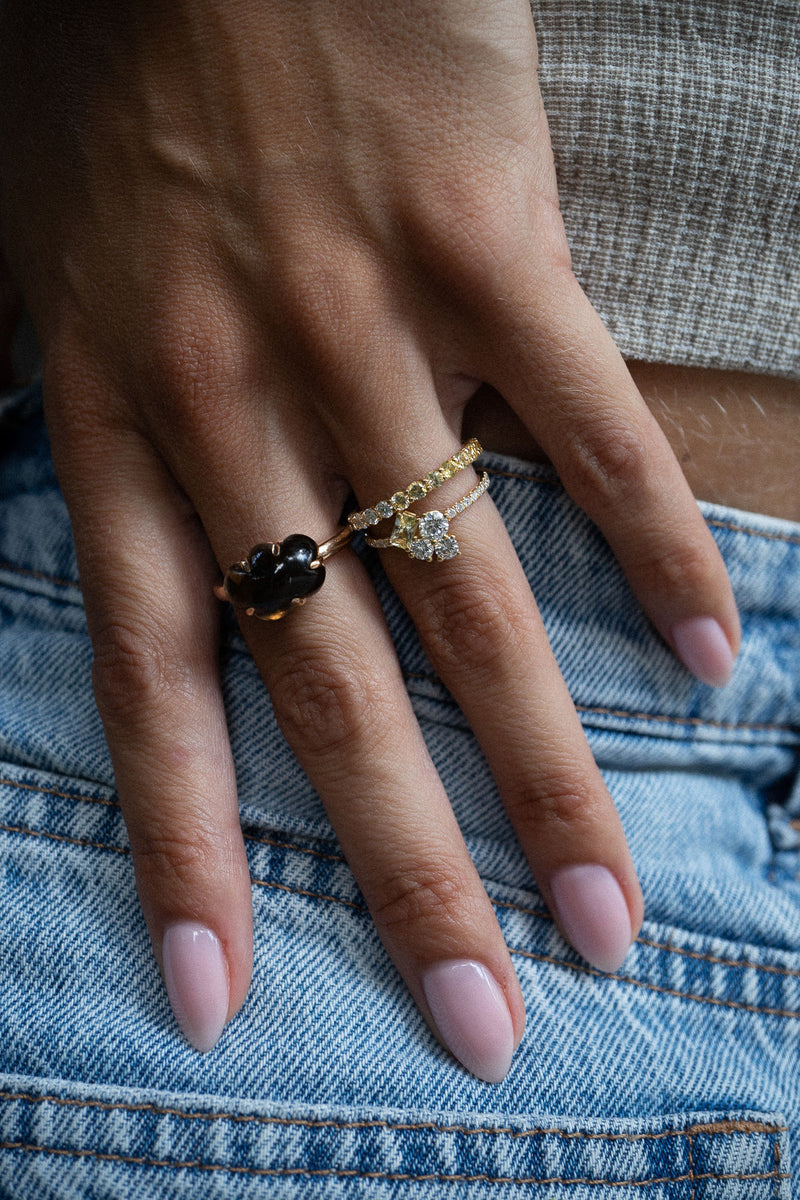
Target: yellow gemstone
(417, 491)
(399, 501)
(405, 528)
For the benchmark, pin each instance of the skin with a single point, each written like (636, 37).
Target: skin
(279, 248)
(735, 434)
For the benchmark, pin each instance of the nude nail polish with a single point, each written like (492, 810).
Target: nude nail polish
(703, 649)
(592, 913)
(197, 982)
(472, 1016)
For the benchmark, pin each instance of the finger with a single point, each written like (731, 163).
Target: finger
(146, 572)
(568, 382)
(339, 698)
(480, 627)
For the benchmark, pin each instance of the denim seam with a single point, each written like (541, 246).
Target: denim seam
(766, 968)
(599, 710)
(50, 791)
(718, 1002)
(789, 1014)
(733, 526)
(385, 1176)
(717, 1129)
(31, 574)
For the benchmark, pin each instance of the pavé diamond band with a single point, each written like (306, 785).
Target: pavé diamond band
(427, 536)
(417, 490)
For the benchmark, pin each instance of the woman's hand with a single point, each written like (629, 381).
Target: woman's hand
(271, 249)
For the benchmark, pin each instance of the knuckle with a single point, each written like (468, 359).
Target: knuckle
(423, 899)
(473, 231)
(570, 811)
(470, 625)
(170, 860)
(132, 671)
(326, 293)
(322, 704)
(197, 359)
(682, 569)
(607, 464)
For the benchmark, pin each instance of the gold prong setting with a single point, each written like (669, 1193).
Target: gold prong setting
(426, 536)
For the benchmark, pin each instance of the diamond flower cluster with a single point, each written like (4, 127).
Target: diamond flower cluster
(428, 536)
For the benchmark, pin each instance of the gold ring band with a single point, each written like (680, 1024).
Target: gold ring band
(278, 576)
(417, 490)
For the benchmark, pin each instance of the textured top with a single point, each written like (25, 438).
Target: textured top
(675, 130)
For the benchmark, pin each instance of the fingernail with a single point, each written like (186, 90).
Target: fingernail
(703, 649)
(592, 912)
(472, 1016)
(197, 982)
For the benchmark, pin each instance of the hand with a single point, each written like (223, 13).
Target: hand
(281, 246)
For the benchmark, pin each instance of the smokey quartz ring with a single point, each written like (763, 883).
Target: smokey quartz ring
(278, 576)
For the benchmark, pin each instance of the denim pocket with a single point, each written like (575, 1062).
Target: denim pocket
(70, 1141)
(328, 1082)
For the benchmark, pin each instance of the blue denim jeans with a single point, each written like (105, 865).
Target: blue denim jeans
(677, 1077)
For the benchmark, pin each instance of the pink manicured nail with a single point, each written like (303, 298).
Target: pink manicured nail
(472, 1016)
(703, 649)
(197, 982)
(592, 912)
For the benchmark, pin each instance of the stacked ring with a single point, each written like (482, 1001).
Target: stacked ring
(278, 576)
(427, 536)
(417, 490)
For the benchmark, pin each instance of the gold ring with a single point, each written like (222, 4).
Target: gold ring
(417, 490)
(427, 536)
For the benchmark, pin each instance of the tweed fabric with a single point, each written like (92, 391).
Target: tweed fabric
(675, 132)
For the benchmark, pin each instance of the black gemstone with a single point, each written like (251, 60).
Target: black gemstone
(271, 581)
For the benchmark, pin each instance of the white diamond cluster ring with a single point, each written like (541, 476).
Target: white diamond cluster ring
(424, 536)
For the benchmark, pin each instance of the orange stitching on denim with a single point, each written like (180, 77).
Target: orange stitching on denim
(789, 1013)
(788, 972)
(633, 715)
(35, 787)
(284, 887)
(691, 1166)
(717, 960)
(790, 538)
(60, 837)
(713, 1129)
(262, 841)
(777, 1164)
(31, 574)
(386, 1176)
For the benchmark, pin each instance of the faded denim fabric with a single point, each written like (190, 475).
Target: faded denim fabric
(678, 1077)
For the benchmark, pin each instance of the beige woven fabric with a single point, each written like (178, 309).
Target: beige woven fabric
(675, 131)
